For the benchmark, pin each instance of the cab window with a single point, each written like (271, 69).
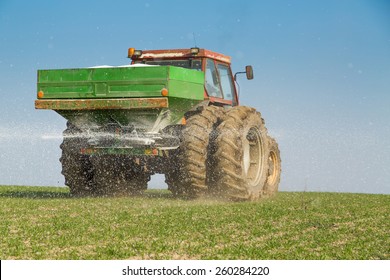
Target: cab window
(212, 81)
(226, 81)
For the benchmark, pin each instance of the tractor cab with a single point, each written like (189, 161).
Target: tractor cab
(219, 81)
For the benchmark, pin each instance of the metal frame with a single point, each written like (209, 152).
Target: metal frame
(101, 104)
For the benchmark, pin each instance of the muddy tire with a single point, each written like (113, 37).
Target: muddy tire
(274, 168)
(118, 176)
(172, 179)
(189, 175)
(76, 168)
(241, 163)
(172, 173)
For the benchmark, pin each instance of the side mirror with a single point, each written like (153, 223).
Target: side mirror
(249, 72)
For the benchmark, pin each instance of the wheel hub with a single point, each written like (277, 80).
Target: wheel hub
(252, 159)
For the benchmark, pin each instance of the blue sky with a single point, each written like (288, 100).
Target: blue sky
(322, 77)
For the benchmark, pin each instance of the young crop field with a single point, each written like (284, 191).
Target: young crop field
(46, 223)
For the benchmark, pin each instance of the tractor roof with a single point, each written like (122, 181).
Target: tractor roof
(181, 53)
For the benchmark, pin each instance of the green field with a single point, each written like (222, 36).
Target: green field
(46, 223)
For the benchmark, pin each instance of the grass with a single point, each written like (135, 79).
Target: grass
(46, 223)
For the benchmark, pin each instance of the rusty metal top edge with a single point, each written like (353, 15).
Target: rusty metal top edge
(95, 104)
(183, 53)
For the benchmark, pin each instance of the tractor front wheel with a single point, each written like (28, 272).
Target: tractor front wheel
(274, 168)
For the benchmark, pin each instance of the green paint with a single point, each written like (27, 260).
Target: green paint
(121, 82)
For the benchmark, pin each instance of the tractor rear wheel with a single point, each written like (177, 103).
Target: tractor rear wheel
(188, 176)
(76, 168)
(241, 154)
(274, 168)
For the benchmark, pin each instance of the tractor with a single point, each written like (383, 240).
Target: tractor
(174, 112)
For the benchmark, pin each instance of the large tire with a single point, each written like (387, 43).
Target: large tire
(241, 154)
(274, 168)
(172, 179)
(172, 173)
(189, 173)
(76, 168)
(119, 176)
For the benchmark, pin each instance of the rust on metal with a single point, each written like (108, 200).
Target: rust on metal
(182, 53)
(101, 104)
(220, 100)
(139, 151)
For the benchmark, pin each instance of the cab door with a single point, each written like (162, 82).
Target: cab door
(219, 83)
